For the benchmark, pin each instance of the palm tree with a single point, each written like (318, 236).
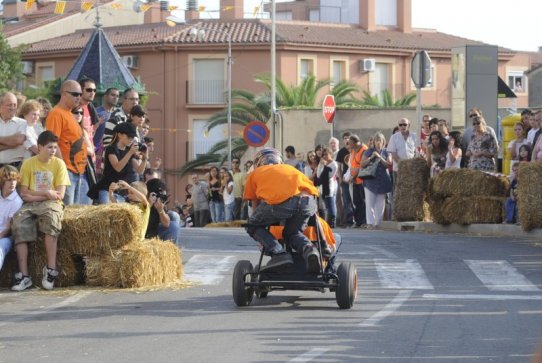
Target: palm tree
(247, 107)
(387, 101)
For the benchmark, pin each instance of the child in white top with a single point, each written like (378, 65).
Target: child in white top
(10, 202)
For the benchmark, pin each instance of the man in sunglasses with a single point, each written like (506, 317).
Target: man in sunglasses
(12, 132)
(402, 145)
(71, 146)
(90, 116)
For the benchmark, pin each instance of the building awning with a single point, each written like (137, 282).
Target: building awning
(503, 91)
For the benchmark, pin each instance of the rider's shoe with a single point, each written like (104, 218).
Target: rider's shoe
(278, 262)
(312, 259)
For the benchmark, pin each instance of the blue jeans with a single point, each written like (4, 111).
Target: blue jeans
(348, 213)
(295, 212)
(331, 207)
(217, 211)
(511, 210)
(229, 211)
(171, 233)
(76, 193)
(103, 197)
(5, 246)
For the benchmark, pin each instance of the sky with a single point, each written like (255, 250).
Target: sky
(510, 24)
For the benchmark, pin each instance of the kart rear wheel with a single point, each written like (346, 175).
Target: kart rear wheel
(347, 288)
(242, 295)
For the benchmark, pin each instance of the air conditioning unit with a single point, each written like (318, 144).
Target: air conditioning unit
(28, 67)
(367, 65)
(131, 61)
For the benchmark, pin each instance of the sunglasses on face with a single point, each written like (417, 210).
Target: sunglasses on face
(90, 90)
(74, 94)
(403, 125)
(77, 112)
(473, 115)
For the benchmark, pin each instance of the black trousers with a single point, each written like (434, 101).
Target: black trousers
(359, 204)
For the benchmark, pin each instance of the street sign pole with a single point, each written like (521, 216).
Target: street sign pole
(420, 72)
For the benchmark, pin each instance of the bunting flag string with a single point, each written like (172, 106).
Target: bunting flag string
(146, 7)
(60, 7)
(86, 5)
(29, 4)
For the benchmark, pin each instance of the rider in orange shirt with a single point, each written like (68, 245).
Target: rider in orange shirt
(279, 192)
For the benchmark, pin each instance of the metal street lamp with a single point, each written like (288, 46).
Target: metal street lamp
(199, 33)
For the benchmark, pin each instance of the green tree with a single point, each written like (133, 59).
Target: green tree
(10, 63)
(247, 107)
(387, 101)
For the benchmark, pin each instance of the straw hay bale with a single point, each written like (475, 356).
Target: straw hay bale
(468, 210)
(9, 269)
(236, 223)
(137, 264)
(95, 230)
(530, 195)
(436, 210)
(410, 190)
(467, 182)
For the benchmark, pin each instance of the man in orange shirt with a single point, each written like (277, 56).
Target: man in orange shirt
(357, 148)
(71, 145)
(281, 193)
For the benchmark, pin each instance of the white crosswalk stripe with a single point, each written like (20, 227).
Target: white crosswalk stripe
(500, 276)
(208, 269)
(407, 274)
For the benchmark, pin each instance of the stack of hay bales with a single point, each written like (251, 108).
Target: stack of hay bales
(530, 195)
(466, 196)
(410, 191)
(106, 240)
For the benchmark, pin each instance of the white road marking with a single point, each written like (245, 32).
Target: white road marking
(401, 275)
(389, 309)
(481, 297)
(500, 276)
(208, 269)
(310, 355)
(29, 315)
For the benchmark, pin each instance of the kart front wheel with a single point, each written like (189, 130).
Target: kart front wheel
(347, 288)
(242, 294)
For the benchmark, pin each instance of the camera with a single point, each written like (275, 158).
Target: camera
(162, 195)
(141, 147)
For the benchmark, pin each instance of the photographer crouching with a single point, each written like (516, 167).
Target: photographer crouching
(163, 224)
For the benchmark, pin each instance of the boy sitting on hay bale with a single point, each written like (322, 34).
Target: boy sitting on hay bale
(44, 178)
(10, 203)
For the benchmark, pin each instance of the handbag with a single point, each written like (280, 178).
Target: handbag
(369, 171)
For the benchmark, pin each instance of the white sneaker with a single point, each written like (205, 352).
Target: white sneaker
(21, 282)
(49, 276)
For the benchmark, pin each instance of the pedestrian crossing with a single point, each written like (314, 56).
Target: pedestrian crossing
(493, 275)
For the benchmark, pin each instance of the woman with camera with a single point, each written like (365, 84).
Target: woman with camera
(120, 162)
(163, 223)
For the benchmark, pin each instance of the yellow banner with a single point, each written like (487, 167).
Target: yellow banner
(226, 8)
(201, 8)
(172, 7)
(116, 6)
(86, 6)
(29, 4)
(256, 11)
(60, 7)
(145, 7)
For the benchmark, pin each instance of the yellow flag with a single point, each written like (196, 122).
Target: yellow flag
(29, 4)
(145, 7)
(60, 7)
(116, 6)
(86, 6)
(256, 10)
(172, 7)
(201, 8)
(226, 8)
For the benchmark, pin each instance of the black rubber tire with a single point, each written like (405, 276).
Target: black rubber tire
(242, 295)
(347, 288)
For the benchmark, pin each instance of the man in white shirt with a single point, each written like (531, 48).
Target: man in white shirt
(402, 145)
(533, 122)
(12, 132)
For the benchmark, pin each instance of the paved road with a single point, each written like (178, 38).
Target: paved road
(422, 298)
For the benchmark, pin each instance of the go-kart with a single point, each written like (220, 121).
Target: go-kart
(249, 280)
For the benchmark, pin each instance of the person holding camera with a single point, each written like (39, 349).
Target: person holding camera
(121, 163)
(163, 223)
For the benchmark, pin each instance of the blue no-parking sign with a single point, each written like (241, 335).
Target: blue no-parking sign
(256, 133)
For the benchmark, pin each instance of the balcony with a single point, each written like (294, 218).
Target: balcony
(206, 92)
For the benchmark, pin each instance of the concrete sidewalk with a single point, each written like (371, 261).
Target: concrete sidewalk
(511, 230)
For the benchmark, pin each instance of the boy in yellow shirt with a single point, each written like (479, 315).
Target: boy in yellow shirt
(44, 179)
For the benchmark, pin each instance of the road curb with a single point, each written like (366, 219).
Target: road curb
(510, 230)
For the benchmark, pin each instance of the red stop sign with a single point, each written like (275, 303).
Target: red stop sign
(328, 108)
